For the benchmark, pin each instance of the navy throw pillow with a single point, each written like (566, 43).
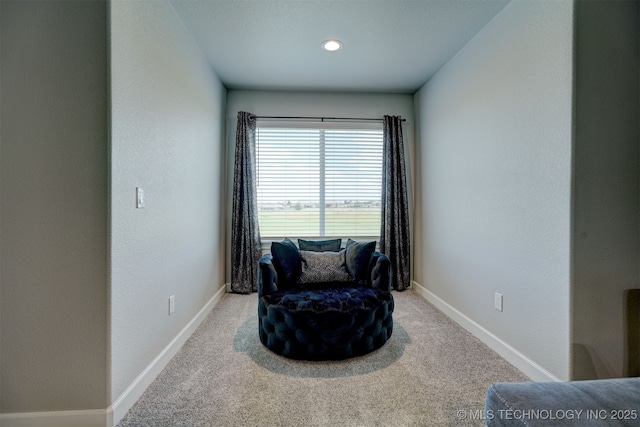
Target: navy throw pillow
(358, 255)
(332, 245)
(287, 260)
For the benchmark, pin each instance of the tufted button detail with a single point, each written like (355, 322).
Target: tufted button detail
(325, 324)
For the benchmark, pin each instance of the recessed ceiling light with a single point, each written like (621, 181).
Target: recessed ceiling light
(332, 45)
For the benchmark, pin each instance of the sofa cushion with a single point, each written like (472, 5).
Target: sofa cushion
(320, 245)
(358, 255)
(345, 298)
(286, 260)
(321, 267)
(607, 402)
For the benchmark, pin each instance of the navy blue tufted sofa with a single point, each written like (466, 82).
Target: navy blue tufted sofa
(326, 320)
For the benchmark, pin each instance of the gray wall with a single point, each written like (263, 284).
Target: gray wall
(605, 243)
(85, 276)
(493, 169)
(282, 103)
(167, 137)
(53, 194)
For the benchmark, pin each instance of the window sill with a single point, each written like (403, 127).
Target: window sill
(265, 243)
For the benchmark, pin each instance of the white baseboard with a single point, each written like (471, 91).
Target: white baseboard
(131, 395)
(111, 416)
(513, 356)
(84, 418)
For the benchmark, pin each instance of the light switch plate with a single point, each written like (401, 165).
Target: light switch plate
(139, 198)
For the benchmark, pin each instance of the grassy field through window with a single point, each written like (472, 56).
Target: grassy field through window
(305, 222)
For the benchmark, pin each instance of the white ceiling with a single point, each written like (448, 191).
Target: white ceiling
(388, 45)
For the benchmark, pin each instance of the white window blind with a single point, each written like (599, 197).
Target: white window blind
(319, 181)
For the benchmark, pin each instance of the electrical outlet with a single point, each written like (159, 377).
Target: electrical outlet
(497, 301)
(172, 304)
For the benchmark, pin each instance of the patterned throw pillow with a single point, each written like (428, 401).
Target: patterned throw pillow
(323, 267)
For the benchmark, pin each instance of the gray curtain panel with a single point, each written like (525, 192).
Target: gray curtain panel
(245, 232)
(394, 235)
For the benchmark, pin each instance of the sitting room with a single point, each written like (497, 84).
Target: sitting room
(323, 213)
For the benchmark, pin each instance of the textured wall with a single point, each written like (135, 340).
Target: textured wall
(493, 170)
(606, 184)
(167, 125)
(53, 194)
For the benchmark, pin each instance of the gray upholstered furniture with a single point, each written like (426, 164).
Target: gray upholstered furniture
(611, 402)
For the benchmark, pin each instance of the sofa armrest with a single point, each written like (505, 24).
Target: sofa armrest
(381, 272)
(267, 276)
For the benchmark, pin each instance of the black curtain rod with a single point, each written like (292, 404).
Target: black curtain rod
(319, 118)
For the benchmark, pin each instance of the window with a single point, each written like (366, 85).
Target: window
(320, 180)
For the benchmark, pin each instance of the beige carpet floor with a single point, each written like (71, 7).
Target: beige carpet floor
(431, 372)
